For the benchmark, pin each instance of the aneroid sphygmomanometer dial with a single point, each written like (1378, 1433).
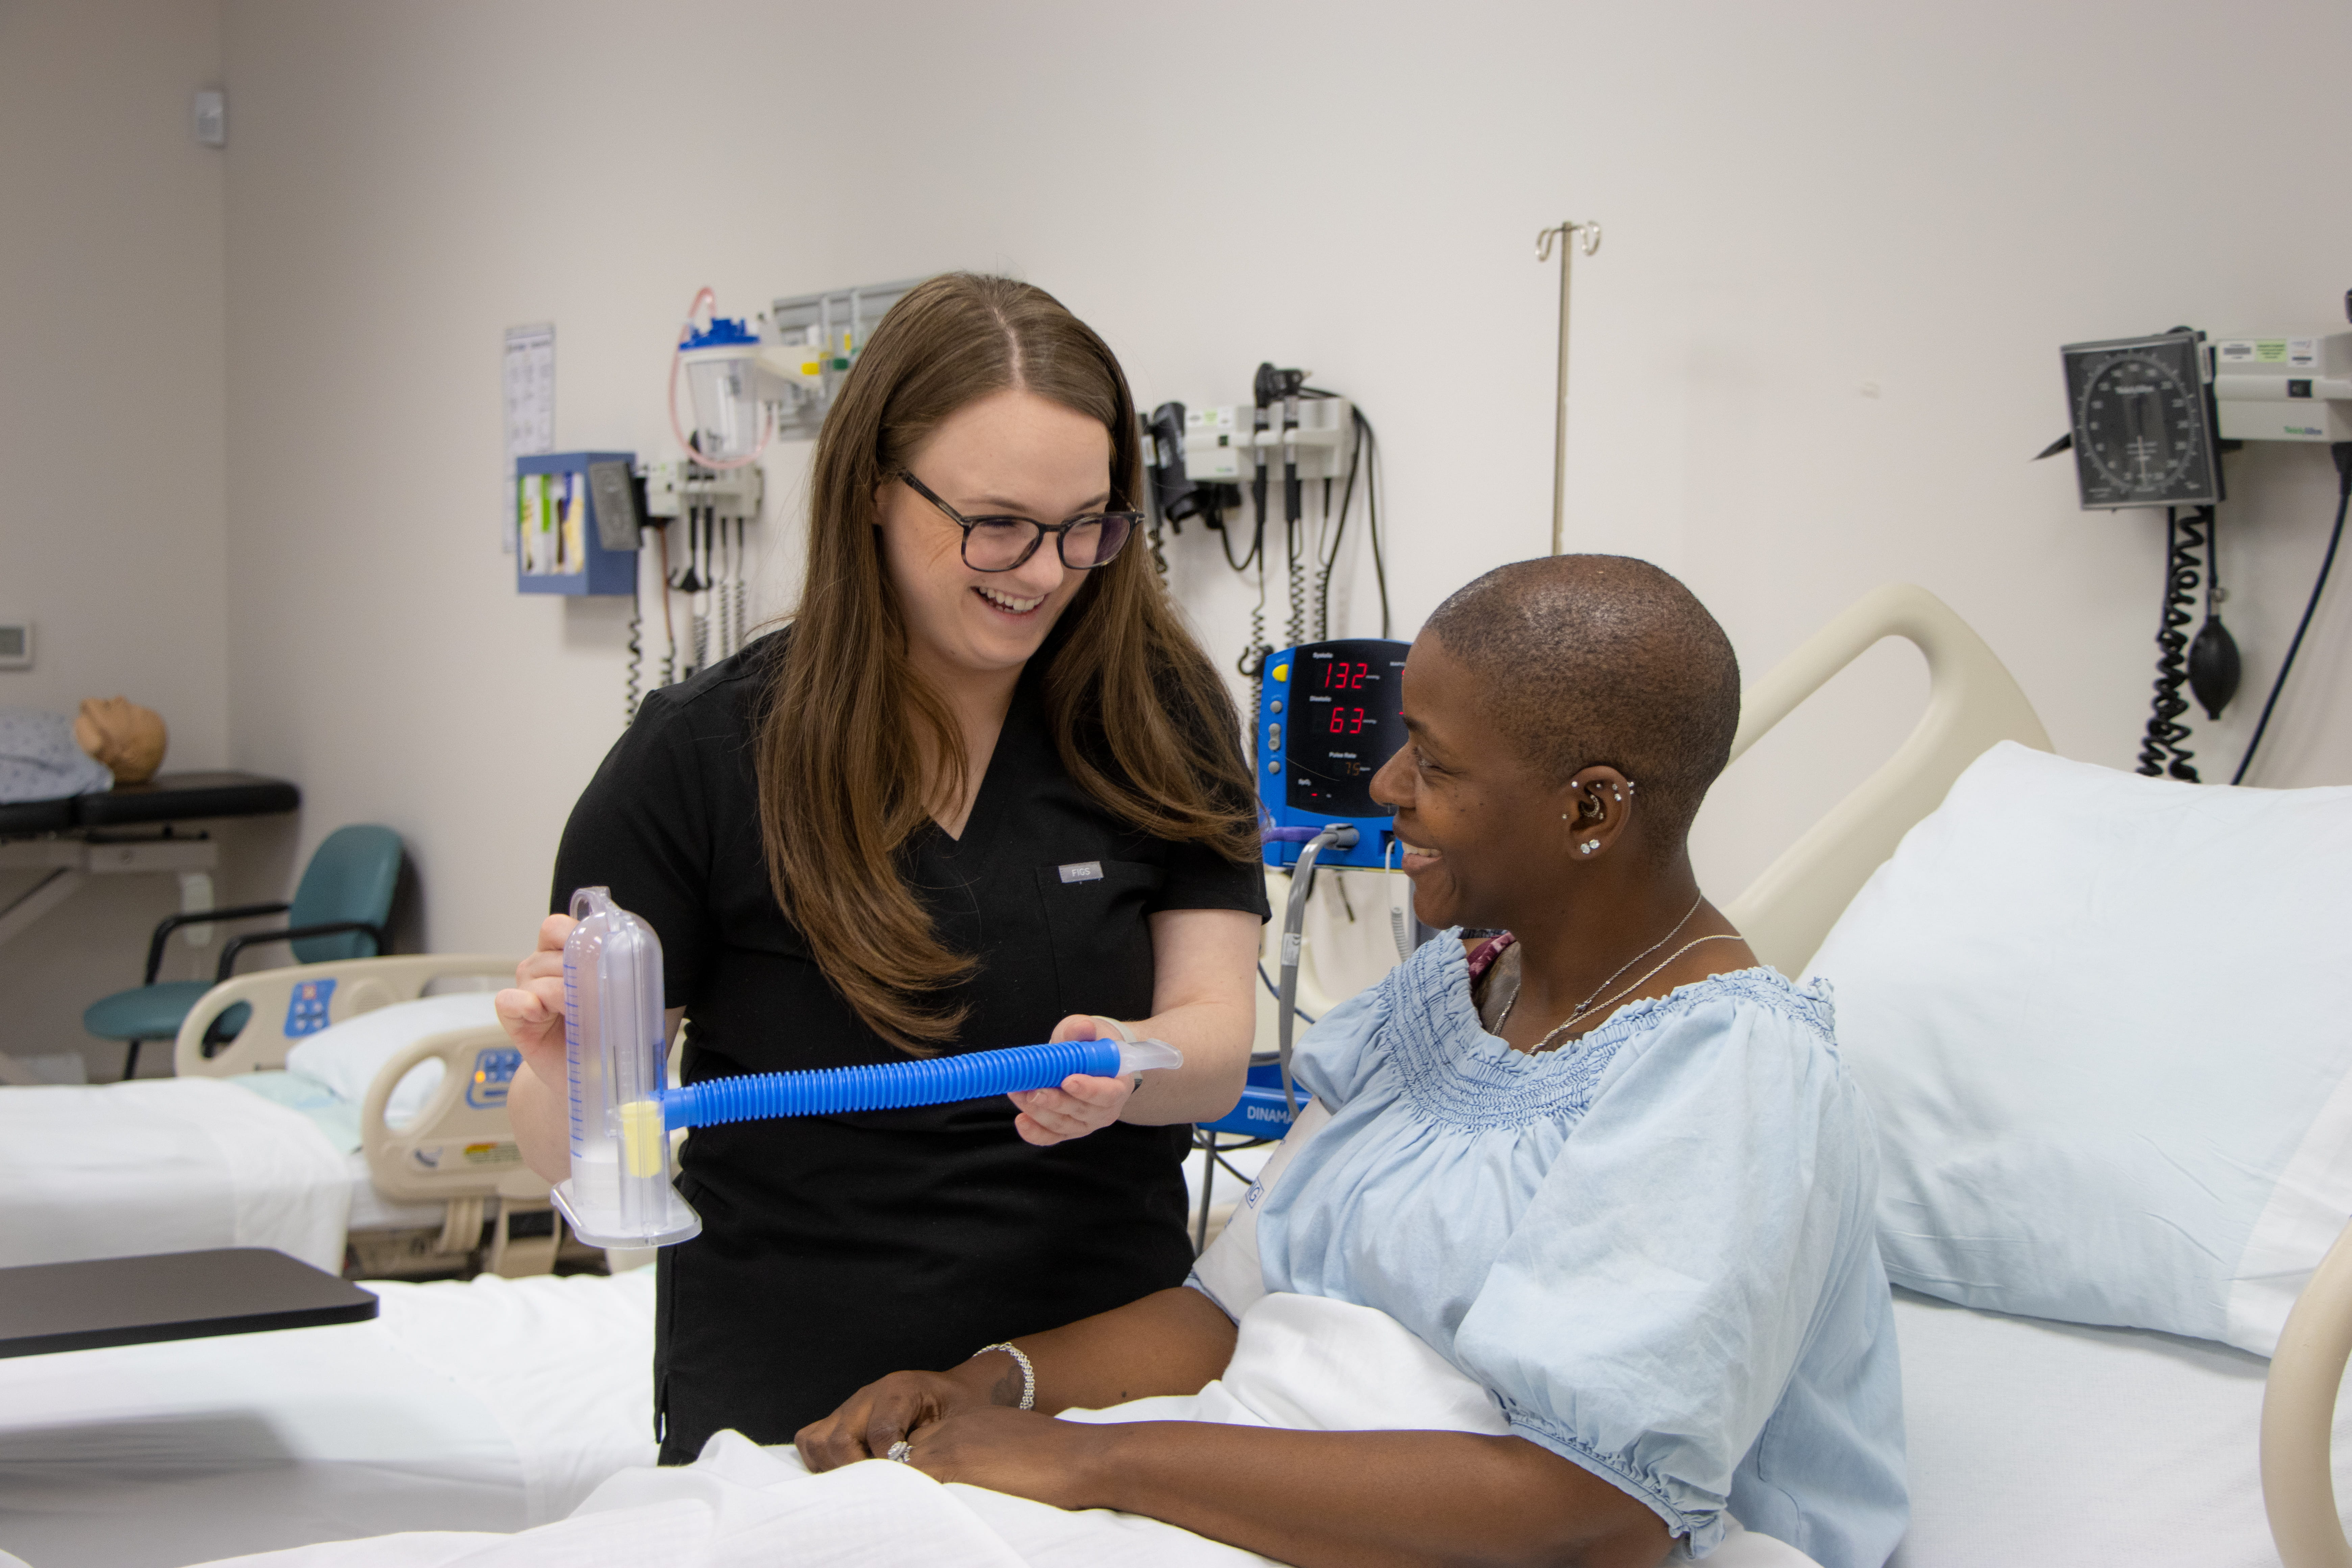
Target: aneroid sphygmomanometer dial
(2143, 422)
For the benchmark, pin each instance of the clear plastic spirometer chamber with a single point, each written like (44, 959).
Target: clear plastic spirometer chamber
(619, 1193)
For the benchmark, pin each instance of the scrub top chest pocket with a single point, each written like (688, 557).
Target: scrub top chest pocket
(1096, 910)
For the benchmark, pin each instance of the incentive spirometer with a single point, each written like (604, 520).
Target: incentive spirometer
(620, 1191)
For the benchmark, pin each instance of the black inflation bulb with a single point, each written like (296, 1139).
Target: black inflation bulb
(2213, 667)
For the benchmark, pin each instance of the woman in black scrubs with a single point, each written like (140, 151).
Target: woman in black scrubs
(983, 791)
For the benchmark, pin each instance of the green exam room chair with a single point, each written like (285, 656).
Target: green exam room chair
(339, 912)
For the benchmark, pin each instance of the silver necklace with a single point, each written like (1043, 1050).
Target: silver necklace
(1541, 1044)
(1583, 1005)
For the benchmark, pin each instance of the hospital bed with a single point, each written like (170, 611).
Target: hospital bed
(488, 1404)
(408, 1168)
(2033, 1442)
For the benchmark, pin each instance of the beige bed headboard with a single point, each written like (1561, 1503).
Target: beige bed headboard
(1972, 703)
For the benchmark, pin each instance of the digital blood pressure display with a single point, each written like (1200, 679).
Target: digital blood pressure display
(2143, 422)
(1344, 724)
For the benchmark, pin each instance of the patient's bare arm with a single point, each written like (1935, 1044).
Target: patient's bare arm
(1170, 1341)
(1307, 1498)
(1356, 1499)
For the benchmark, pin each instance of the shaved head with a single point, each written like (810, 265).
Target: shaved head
(1602, 659)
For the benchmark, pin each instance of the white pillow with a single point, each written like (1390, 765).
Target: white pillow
(2104, 1023)
(346, 1056)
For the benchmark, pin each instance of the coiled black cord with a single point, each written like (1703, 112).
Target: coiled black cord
(1295, 550)
(636, 656)
(2342, 452)
(2160, 752)
(1251, 663)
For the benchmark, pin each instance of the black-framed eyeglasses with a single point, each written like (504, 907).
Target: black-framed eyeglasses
(1002, 544)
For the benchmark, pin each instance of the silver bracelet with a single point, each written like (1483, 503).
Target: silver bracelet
(1028, 1374)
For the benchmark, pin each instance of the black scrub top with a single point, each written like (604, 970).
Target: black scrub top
(837, 1250)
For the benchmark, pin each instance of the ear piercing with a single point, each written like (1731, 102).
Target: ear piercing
(1589, 846)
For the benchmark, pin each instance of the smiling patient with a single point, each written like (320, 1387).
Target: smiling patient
(1618, 1179)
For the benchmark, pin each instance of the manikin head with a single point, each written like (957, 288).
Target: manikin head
(127, 739)
(1567, 716)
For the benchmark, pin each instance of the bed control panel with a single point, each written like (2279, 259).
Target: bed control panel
(306, 1013)
(494, 1073)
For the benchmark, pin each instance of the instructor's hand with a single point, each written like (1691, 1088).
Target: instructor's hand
(532, 1012)
(1082, 1104)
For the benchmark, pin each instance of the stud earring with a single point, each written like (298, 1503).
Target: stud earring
(1589, 845)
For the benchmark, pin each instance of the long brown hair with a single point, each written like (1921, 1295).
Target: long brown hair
(1141, 720)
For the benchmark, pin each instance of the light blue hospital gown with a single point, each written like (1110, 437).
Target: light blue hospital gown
(1653, 1245)
(40, 759)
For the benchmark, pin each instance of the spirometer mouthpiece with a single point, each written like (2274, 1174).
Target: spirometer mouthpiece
(619, 1192)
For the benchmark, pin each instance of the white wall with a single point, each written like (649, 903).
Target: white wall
(1801, 203)
(113, 533)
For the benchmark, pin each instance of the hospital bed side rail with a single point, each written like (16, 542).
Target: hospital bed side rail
(1973, 703)
(460, 1149)
(327, 992)
(2299, 1417)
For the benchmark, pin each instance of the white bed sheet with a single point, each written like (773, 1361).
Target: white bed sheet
(2042, 1444)
(490, 1404)
(164, 1165)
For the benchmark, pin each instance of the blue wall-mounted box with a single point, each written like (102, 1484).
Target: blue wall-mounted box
(568, 523)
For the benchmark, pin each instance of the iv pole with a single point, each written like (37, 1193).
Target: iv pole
(1572, 237)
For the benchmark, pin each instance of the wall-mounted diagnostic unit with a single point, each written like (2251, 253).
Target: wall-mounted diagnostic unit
(1328, 716)
(2150, 420)
(2285, 389)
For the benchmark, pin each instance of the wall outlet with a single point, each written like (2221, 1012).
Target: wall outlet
(212, 118)
(15, 645)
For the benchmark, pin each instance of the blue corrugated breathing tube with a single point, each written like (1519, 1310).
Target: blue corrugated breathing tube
(895, 1086)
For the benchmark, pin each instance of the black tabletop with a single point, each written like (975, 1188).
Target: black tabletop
(24, 818)
(50, 1306)
(181, 797)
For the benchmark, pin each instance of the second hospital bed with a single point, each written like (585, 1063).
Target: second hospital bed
(2033, 1442)
(392, 1149)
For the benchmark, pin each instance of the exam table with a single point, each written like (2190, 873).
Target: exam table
(71, 840)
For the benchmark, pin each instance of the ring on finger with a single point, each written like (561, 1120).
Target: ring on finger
(902, 1451)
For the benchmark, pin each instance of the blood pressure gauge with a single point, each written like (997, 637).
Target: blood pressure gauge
(2143, 422)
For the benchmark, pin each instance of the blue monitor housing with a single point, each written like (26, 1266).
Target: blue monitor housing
(1328, 716)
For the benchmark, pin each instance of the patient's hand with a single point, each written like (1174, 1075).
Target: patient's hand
(881, 1413)
(1024, 1452)
(1082, 1104)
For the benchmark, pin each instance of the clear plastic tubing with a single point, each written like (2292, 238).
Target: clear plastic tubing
(619, 1192)
(895, 1085)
